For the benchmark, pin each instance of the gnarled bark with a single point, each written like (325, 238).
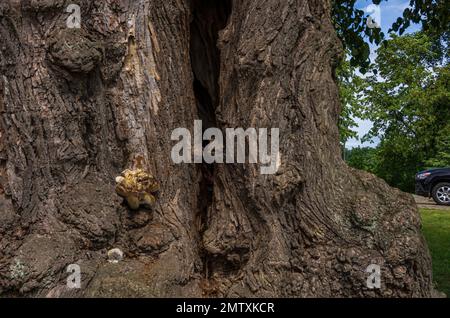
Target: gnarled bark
(77, 105)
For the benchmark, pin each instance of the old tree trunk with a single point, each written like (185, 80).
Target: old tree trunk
(77, 105)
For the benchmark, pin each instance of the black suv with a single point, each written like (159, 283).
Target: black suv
(434, 183)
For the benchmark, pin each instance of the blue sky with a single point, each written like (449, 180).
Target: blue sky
(390, 10)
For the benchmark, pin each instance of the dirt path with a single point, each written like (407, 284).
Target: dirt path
(426, 203)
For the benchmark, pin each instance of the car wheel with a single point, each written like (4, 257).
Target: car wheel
(441, 193)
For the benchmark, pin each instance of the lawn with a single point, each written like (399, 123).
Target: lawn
(436, 228)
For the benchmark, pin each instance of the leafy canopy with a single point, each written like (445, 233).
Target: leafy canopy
(407, 97)
(355, 33)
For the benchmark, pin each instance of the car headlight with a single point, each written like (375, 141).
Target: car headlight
(424, 175)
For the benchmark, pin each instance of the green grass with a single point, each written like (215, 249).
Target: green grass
(436, 228)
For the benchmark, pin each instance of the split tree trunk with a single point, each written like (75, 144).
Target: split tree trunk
(77, 105)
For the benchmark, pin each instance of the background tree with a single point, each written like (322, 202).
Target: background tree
(351, 89)
(442, 156)
(407, 99)
(354, 31)
(362, 158)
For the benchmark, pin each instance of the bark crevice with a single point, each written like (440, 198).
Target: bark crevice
(208, 19)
